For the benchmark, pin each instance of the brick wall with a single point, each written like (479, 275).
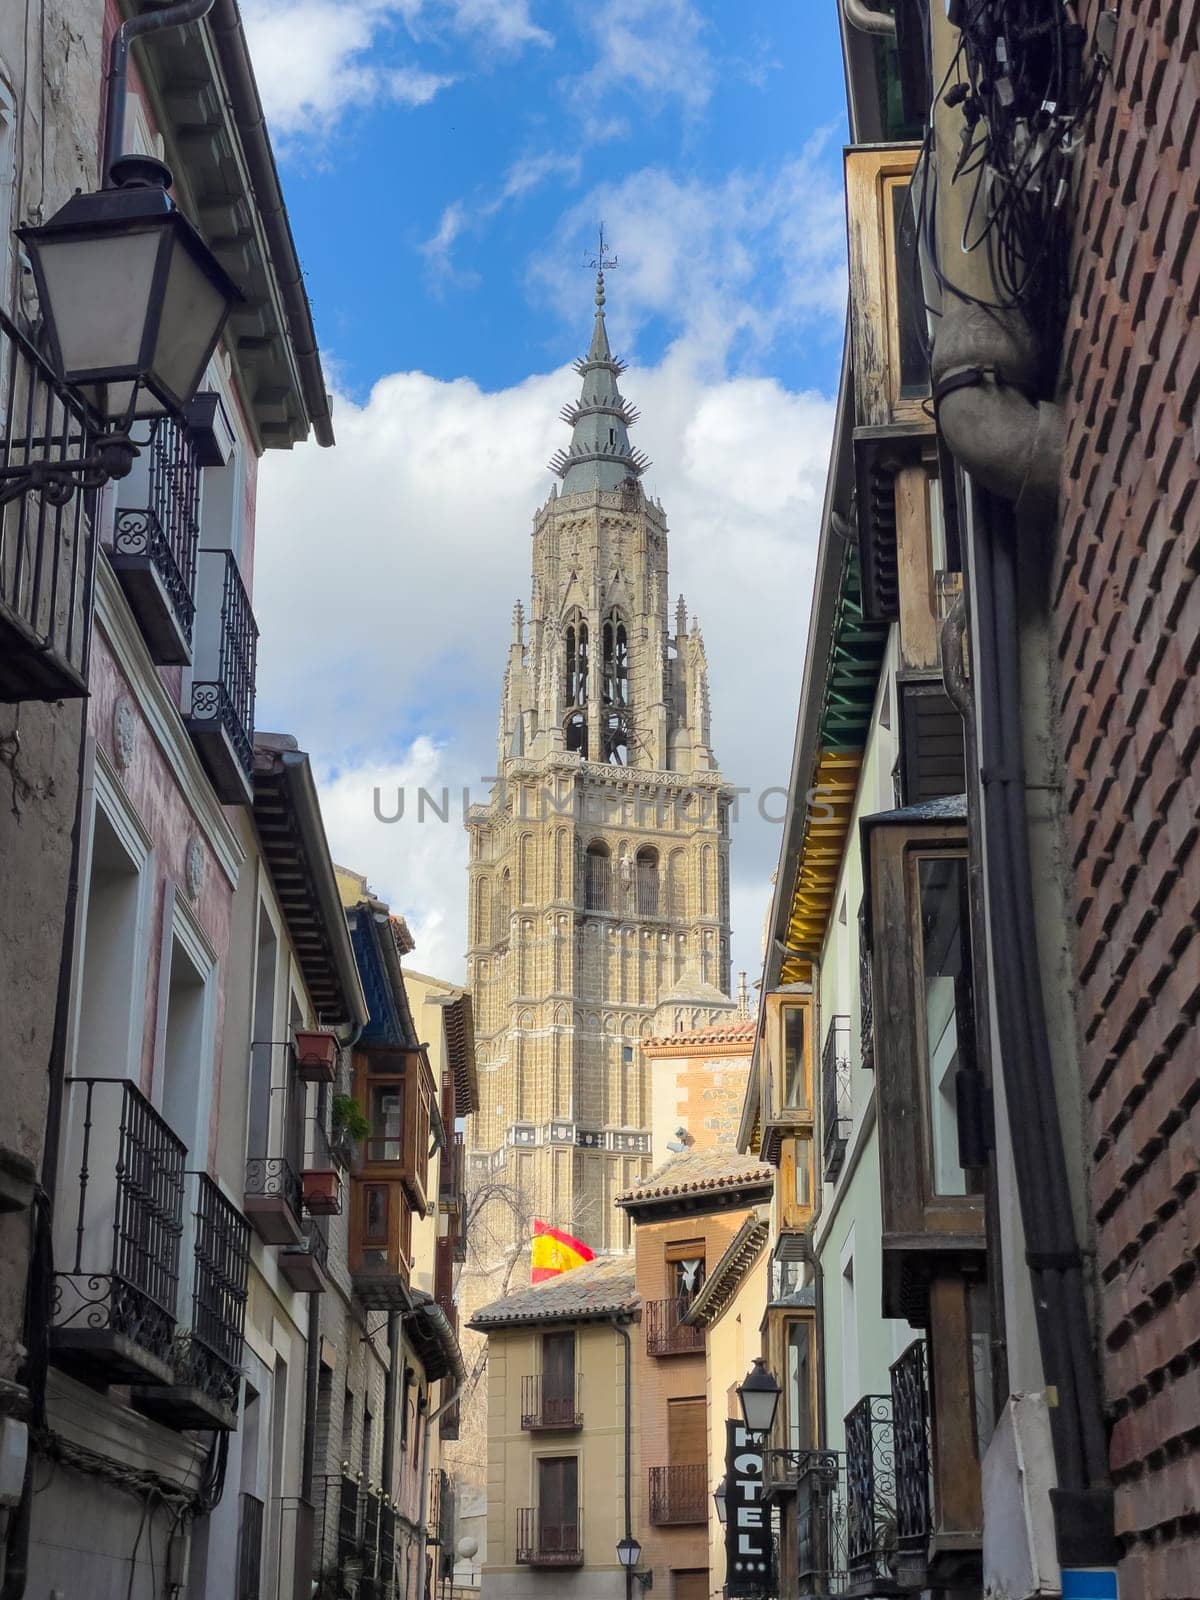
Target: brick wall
(1127, 645)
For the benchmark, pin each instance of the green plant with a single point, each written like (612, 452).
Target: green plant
(348, 1119)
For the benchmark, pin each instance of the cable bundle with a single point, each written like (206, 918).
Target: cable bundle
(1018, 75)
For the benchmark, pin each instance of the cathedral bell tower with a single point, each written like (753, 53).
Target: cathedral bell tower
(599, 869)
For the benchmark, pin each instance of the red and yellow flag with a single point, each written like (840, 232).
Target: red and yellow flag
(553, 1252)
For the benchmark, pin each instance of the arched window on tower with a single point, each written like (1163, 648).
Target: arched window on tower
(616, 738)
(647, 881)
(575, 733)
(502, 908)
(575, 660)
(616, 660)
(597, 881)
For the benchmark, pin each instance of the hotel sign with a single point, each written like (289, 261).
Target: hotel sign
(748, 1520)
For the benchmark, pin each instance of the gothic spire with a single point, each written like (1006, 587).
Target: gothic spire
(599, 455)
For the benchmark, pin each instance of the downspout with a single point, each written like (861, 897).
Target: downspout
(117, 88)
(984, 370)
(861, 16)
(621, 1328)
(389, 1402)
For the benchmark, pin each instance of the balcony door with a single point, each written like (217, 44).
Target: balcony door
(558, 1378)
(558, 1503)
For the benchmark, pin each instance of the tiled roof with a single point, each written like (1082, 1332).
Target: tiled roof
(597, 1289)
(742, 1030)
(699, 1172)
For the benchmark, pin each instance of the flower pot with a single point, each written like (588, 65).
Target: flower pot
(316, 1056)
(323, 1193)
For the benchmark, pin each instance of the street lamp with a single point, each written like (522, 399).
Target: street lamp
(133, 302)
(719, 1502)
(758, 1396)
(629, 1552)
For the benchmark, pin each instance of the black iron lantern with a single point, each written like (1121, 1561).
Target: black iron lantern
(133, 299)
(720, 1503)
(758, 1395)
(629, 1553)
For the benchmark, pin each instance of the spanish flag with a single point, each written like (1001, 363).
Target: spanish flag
(553, 1252)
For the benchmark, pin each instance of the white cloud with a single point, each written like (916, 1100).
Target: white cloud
(731, 263)
(386, 571)
(528, 172)
(315, 59)
(655, 48)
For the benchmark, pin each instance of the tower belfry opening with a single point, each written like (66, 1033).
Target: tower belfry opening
(604, 843)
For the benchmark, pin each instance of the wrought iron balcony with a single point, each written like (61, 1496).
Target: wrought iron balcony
(836, 1112)
(208, 1354)
(542, 1542)
(371, 1506)
(910, 1426)
(666, 1334)
(870, 1489)
(250, 1544)
(387, 1544)
(349, 1533)
(155, 538)
(821, 1561)
(221, 720)
(678, 1495)
(274, 1200)
(306, 1265)
(550, 1406)
(47, 545)
(453, 1178)
(117, 1239)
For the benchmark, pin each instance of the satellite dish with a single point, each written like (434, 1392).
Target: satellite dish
(467, 1546)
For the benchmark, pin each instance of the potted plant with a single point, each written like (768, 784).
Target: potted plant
(316, 1055)
(350, 1127)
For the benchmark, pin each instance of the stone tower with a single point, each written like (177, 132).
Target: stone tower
(599, 869)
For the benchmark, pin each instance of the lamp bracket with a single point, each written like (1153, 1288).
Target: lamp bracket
(57, 481)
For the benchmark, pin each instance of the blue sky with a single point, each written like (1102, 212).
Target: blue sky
(446, 164)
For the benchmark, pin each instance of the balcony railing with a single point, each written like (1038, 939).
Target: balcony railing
(250, 1541)
(666, 1335)
(821, 1562)
(208, 1353)
(870, 1488)
(546, 1542)
(47, 550)
(387, 1545)
(866, 1008)
(349, 1540)
(678, 1494)
(910, 1425)
(221, 721)
(155, 536)
(452, 1187)
(371, 1506)
(550, 1405)
(116, 1294)
(836, 1112)
(306, 1265)
(274, 1199)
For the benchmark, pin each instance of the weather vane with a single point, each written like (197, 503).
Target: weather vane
(601, 262)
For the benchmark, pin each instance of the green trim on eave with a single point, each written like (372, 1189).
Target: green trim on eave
(852, 669)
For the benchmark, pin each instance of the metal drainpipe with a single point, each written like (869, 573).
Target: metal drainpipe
(117, 90)
(389, 1402)
(624, 1332)
(861, 16)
